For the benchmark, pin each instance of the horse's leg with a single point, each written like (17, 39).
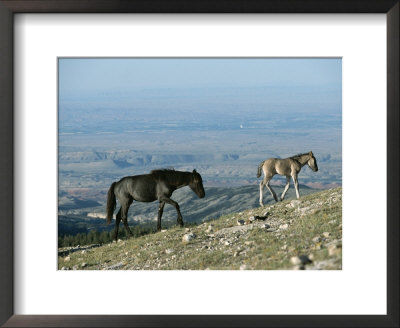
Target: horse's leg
(117, 221)
(262, 184)
(296, 185)
(124, 215)
(160, 213)
(173, 203)
(270, 189)
(286, 187)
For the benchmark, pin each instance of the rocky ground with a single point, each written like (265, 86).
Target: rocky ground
(303, 234)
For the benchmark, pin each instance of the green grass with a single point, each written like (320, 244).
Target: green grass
(255, 248)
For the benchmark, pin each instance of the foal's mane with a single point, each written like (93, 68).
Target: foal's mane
(298, 155)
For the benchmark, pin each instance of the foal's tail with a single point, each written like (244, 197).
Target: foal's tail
(259, 169)
(111, 203)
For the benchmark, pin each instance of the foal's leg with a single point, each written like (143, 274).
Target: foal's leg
(270, 189)
(286, 188)
(167, 200)
(117, 221)
(160, 213)
(296, 185)
(262, 184)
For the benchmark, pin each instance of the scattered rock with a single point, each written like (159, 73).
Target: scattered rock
(333, 250)
(284, 226)
(295, 260)
(265, 226)
(259, 218)
(240, 222)
(326, 234)
(119, 240)
(316, 239)
(294, 203)
(210, 229)
(169, 251)
(83, 252)
(188, 237)
(243, 267)
(300, 260)
(269, 208)
(164, 230)
(115, 266)
(236, 229)
(67, 259)
(84, 265)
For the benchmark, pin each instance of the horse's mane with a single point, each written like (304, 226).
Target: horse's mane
(170, 175)
(162, 171)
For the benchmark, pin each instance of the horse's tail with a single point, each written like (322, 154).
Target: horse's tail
(111, 203)
(259, 169)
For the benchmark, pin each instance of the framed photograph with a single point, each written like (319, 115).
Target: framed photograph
(95, 92)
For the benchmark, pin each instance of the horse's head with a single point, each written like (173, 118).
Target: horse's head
(196, 184)
(312, 162)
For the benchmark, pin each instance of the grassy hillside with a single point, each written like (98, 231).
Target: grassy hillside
(294, 234)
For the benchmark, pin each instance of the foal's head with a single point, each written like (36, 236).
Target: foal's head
(312, 162)
(196, 184)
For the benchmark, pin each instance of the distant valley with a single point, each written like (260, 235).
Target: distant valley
(223, 133)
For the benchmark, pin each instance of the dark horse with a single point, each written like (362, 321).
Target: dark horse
(158, 185)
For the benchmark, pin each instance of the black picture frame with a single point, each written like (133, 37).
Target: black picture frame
(10, 7)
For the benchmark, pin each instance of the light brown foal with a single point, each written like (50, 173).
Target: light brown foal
(289, 167)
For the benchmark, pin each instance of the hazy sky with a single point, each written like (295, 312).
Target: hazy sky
(87, 76)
